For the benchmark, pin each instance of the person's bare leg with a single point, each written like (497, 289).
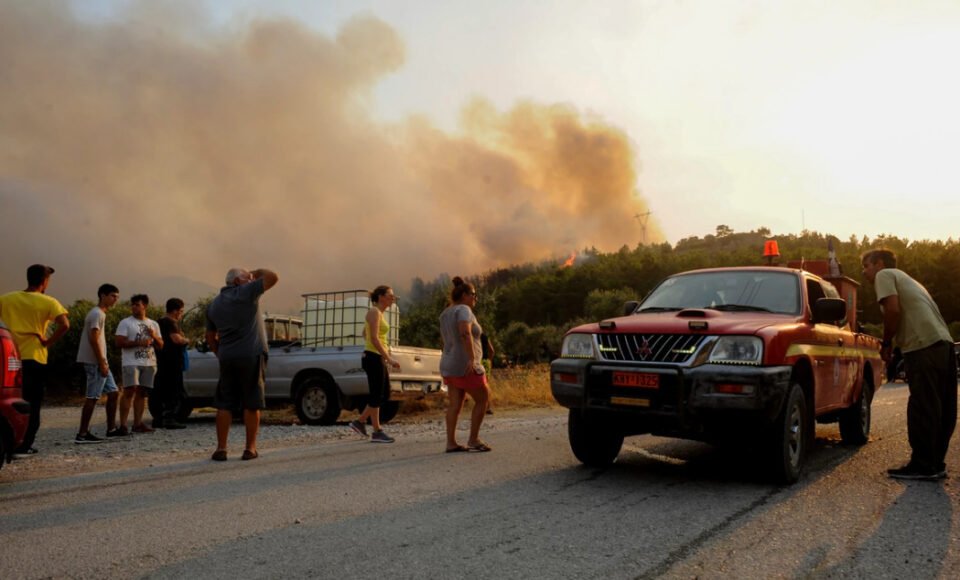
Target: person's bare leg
(480, 398)
(86, 414)
(127, 395)
(454, 405)
(112, 410)
(224, 419)
(139, 404)
(251, 420)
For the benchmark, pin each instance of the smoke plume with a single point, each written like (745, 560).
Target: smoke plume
(156, 153)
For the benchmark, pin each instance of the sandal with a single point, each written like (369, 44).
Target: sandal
(248, 455)
(457, 449)
(219, 455)
(480, 446)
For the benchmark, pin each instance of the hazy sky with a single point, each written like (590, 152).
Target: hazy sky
(350, 143)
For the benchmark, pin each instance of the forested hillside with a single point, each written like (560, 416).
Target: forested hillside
(527, 308)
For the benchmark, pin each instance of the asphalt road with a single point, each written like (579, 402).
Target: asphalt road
(349, 509)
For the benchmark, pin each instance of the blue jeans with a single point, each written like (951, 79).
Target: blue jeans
(97, 384)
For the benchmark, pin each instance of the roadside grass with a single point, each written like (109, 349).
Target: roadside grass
(518, 387)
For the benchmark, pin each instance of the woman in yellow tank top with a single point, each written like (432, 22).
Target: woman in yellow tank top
(375, 358)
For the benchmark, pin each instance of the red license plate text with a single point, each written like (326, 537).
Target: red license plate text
(642, 380)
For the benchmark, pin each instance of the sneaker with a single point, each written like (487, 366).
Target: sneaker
(87, 438)
(173, 425)
(25, 452)
(142, 429)
(118, 432)
(359, 428)
(911, 471)
(381, 437)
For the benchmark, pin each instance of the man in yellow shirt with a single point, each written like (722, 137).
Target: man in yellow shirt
(912, 321)
(28, 314)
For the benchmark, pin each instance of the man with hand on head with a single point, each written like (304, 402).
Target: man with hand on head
(237, 335)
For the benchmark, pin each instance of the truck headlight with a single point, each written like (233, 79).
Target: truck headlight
(744, 350)
(578, 346)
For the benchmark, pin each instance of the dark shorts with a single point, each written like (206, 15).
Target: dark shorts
(378, 378)
(241, 384)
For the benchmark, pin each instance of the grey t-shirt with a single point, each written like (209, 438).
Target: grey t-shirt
(920, 321)
(453, 361)
(96, 318)
(235, 315)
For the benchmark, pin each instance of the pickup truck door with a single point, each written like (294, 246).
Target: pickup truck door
(829, 361)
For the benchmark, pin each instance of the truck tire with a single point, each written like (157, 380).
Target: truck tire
(593, 440)
(855, 421)
(790, 438)
(317, 401)
(389, 410)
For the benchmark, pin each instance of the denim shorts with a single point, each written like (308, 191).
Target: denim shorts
(98, 384)
(138, 376)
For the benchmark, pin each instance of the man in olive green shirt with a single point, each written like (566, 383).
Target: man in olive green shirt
(912, 321)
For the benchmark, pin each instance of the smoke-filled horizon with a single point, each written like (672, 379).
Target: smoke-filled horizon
(158, 149)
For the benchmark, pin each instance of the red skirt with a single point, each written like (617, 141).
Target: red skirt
(467, 382)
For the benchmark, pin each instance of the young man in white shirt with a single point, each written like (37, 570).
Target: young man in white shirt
(137, 336)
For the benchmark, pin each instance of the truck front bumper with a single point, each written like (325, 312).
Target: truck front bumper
(684, 399)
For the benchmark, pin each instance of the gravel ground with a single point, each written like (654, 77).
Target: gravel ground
(60, 456)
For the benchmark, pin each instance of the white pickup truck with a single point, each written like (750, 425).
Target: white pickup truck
(314, 361)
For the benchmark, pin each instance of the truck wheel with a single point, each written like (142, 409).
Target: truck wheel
(594, 441)
(317, 401)
(389, 410)
(855, 421)
(790, 438)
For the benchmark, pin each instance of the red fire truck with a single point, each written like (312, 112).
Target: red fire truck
(750, 354)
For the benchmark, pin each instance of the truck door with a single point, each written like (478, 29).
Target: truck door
(829, 364)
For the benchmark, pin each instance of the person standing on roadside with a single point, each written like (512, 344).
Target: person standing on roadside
(169, 383)
(375, 358)
(460, 365)
(28, 314)
(137, 336)
(93, 355)
(236, 334)
(912, 321)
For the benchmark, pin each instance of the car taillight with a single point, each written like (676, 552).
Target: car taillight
(11, 363)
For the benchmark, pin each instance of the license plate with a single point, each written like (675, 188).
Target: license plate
(642, 380)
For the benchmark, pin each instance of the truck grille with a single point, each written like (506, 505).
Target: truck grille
(665, 348)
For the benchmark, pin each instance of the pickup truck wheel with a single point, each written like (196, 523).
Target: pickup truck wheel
(317, 401)
(593, 441)
(389, 410)
(790, 438)
(855, 421)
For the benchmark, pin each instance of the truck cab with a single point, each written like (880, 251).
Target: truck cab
(755, 354)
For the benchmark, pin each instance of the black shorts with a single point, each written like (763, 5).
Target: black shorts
(241, 383)
(378, 378)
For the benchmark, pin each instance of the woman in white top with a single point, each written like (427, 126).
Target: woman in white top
(461, 367)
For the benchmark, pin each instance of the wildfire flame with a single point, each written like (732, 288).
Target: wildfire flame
(569, 262)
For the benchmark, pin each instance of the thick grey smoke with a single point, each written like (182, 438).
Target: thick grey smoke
(156, 153)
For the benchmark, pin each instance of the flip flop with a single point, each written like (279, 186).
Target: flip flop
(457, 449)
(481, 447)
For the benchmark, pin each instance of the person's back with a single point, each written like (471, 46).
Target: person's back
(922, 324)
(235, 314)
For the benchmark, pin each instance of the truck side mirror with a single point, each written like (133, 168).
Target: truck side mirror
(829, 310)
(629, 307)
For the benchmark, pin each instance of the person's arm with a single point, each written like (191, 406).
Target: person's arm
(466, 339)
(121, 340)
(154, 330)
(373, 323)
(94, 339)
(891, 323)
(213, 341)
(178, 338)
(270, 277)
(63, 325)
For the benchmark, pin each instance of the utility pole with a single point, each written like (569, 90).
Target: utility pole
(642, 218)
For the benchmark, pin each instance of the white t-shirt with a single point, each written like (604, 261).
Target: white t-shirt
(134, 330)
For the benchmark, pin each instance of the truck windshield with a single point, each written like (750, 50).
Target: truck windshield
(732, 291)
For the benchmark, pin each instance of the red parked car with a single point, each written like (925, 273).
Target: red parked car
(14, 411)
